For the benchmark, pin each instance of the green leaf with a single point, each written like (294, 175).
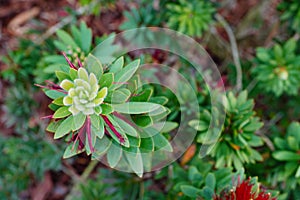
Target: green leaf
(136, 107)
(58, 101)
(293, 143)
(64, 128)
(106, 80)
(60, 46)
(120, 131)
(144, 96)
(76, 35)
(159, 100)
(53, 94)
(210, 181)
(290, 46)
(78, 121)
(207, 192)
(106, 49)
(134, 141)
(165, 127)
(192, 173)
(54, 59)
(117, 65)
(286, 156)
(190, 191)
(87, 145)
(114, 154)
(61, 112)
(97, 125)
(280, 143)
(129, 130)
(242, 98)
(52, 127)
(106, 109)
(135, 161)
(198, 125)
(72, 150)
(142, 120)
(125, 74)
(62, 75)
(93, 65)
(298, 172)
(294, 130)
(278, 53)
(101, 147)
(253, 126)
(98, 132)
(86, 37)
(120, 96)
(73, 73)
(95, 121)
(161, 142)
(262, 55)
(53, 106)
(147, 144)
(66, 38)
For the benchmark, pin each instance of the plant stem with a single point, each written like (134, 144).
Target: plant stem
(88, 170)
(235, 51)
(142, 190)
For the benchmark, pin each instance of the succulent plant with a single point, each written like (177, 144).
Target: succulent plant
(287, 153)
(291, 13)
(190, 17)
(236, 144)
(88, 106)
(278, 69)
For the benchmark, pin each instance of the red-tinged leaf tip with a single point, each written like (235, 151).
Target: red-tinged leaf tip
(69, 62)
(111, 126)
(88, 132)
(41, 86)
(47, 117)
(81, 145)
(79, 62)
(51, 86)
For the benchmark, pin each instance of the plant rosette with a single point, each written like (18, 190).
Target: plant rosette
(288, 154)
(91, 107)
(190, 17)
(278, 69)
(237, 141)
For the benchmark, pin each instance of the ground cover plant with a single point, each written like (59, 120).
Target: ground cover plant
(114, 99)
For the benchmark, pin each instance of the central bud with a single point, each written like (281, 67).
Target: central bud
(282, 73)
(84, 94)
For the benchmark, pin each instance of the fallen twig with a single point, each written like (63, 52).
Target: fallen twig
(235, 51)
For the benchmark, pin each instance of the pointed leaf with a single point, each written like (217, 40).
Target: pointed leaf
(117, 65)
(61, 112)
(64, 128)
(93, 65)
(136, 107)
(114, 154)
(125, 74)
(135, 161)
